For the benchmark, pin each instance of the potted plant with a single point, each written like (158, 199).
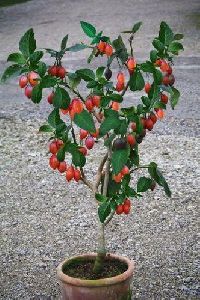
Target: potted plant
(76, 122)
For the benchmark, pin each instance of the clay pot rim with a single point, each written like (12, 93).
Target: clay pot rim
(96, 282)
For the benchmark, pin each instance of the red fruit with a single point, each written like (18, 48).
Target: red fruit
(62, 167)
(108, 50)
(96, 100)
(127, 202)
(83, 134)
(64, 111)
(153, 185)
(72, 113)
(70, 173)
(50, 98)
(149, 124)
(160, 113)
(121, 78)
(169, 71)
(77, 106)
(166, 80)
(53, 70)
(164, 98)
(32, 78)
(61, 72)
(117, 178)
(158, 62)
(23, 81)
(131, 140)
(28, 91)
(125, 170)
(77, 175)
(89, 104)
(115, 106)
(54, 162)
(143, 121)
(83, 150)
(95, 134)
(164, 66)
(101, 46)
(53, 147)
(59, 144)
(89, 142)
(119, 209)
(133, 126)
(171, 79)
(147, 87)
(153, 117)
(119, 86)
(126, 209)
(131, 64)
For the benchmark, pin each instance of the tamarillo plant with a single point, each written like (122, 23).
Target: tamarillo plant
(76, 122)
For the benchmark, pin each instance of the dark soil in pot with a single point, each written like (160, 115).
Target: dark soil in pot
(83, 269)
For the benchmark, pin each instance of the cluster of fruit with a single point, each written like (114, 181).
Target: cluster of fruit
(61, 166)
(28, 82)
(124, 208)
(117, 178)
(105, 48)
(57, 71)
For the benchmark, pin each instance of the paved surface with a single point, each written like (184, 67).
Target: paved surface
(39, 228)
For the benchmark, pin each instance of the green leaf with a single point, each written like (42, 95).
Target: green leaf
(174, 97)
(115, 97)
(78, 159)
(74, 80)
(85, 121)
(86, 74)
(64, 42)
(143, 184)
(35, 57)
(157, 74)
(166, 35)
(11, 71)
(42, 68)
(100, 197)
(46, 128)
(175, 47)
(110, 122)
(77, 47)
(61, 98)
(158, 45)
(158, 177)
(119, 159)
(154, 92)
(17, 58)
(136, 81)
(36, 95)
(104, 211)
(153, 55)
(121, 50)
(146, 101)
(109, 140)
(88, 28)
(27, 44)
(54, 118)
(136, 27)
(99, 72)
(48, 81)
(61, 153)
(147, 67)
(178, 36)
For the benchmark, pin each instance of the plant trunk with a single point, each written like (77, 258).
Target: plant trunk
(101, 253)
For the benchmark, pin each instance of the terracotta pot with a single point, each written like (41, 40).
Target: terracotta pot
(113, 288)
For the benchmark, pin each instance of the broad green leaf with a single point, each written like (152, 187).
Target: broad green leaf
(175, 47)
(115, 97)
(158, 177)
(88, 28)
(174, 97)
(27, 44)
(85, 121)
(86, 74)
(46, 128)
(166, 35)
(157, 74)
(153, 55)
(104, 211)
(74, 80)
(11, 71)
(109, 123)
(61, 153)
(120, 48)
(154, 92)
(42, 68)
(119, 159)
(109, 140)
(48, 81)
(136, 81)
(143, 184)
(64, 42)
(77, 47)
(158, 44)
(100, 197)
(17, 58)
(78, 159)
(178, 36)
(99, 72)
(61, 98)
(36, 95)
(35, 57)
(136, 27)
(147, 67)
(54, 118)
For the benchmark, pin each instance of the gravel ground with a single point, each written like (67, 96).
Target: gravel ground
(39, 229)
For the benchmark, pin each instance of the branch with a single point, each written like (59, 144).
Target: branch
(125, 89)
(98, 180)
(109, 218)
(139, 167)
(86, 181)
(107, 173)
